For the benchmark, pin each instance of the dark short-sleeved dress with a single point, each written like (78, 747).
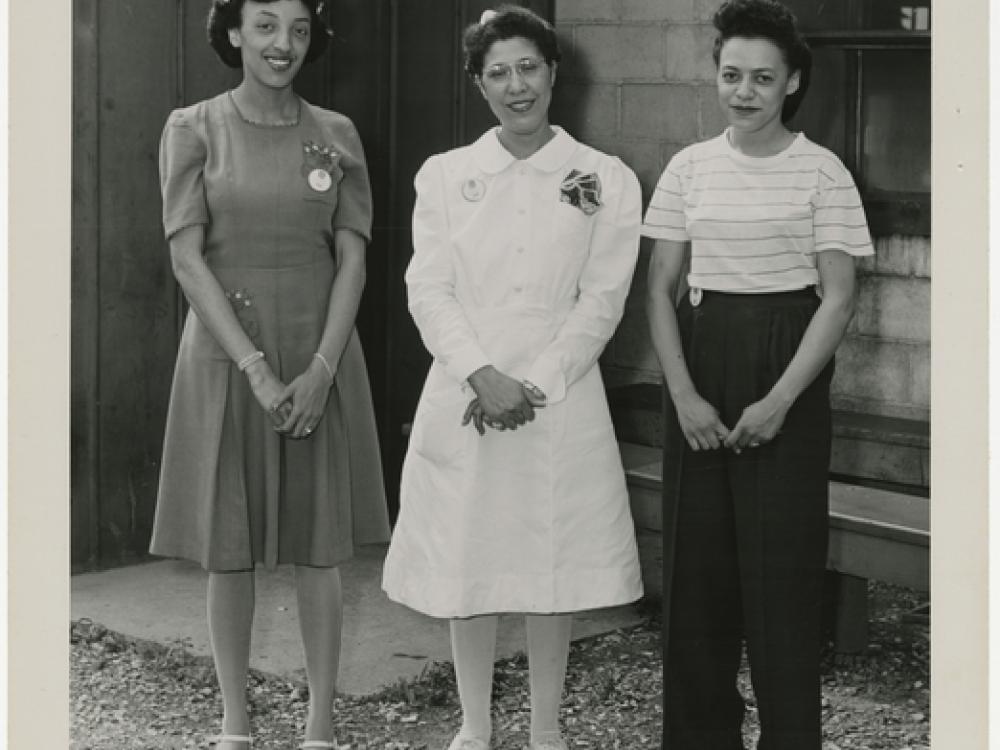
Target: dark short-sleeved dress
(233, 493)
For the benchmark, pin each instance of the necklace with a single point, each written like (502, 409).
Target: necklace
(278, 124)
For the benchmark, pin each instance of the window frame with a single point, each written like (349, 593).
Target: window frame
(896, 212)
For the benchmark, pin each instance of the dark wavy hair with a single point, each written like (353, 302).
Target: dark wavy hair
(510, 21)
(228, 14)
(767, 19)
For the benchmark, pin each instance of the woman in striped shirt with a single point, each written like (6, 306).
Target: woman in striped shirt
(770, 224)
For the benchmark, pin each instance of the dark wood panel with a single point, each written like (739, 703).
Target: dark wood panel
(356, 74)
(360, 64)
(425, 104)
(137, 297)
(202, 73)
(84, 445)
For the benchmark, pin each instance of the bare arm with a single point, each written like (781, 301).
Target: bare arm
(209, 303)
(762, 420)
(309, 391)
(698, 419)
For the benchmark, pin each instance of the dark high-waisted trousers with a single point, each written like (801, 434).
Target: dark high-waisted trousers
(745, 535)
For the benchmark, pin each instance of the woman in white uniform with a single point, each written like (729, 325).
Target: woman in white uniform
(524, 247)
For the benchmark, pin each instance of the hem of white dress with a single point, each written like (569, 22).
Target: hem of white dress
(438, 596)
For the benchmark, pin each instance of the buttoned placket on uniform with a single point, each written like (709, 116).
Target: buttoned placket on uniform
(522, 236)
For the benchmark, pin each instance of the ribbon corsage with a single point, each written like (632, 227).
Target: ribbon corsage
(319, 165)
(582, 191)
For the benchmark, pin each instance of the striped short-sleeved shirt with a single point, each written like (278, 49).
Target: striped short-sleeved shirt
(756, 223)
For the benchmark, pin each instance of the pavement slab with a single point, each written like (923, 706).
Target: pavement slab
(383, 642)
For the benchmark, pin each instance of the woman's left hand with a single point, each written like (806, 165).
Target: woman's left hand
(308, 394)
(759, 424)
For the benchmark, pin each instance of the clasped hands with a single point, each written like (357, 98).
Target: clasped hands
(501, 402)
(294, 409)
(759, 423)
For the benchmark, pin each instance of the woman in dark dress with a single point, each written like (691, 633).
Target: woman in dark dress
(269, 454)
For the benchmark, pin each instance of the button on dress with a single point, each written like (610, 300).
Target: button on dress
(233, 493)
(515, 266)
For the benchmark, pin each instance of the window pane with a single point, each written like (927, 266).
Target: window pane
(823, 114)
(825, 15)
(886, 15)
(896, 111)
(868, 15)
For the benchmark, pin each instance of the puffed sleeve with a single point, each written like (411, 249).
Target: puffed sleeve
(354, 199)
(839, 221)
(665, 217)
(182, 174)
(430, 282)
(603, 286)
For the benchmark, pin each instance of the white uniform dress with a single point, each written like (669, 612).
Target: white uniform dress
(524, 265)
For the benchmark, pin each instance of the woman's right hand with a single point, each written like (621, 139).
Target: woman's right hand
(503, 399)
(475, 413)
(268, 389)
(699, 422)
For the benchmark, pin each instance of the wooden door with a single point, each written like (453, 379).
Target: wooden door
(124, 303)
(134, 61)
(394, 68)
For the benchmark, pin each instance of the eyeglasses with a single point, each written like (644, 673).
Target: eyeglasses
(526, 67)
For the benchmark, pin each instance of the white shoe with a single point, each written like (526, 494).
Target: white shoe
(468, 743)
(220, 738)
(554, 744)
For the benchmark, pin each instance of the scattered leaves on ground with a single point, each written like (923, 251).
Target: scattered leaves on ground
(129, 693)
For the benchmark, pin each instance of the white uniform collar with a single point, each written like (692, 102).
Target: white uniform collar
(492, 157)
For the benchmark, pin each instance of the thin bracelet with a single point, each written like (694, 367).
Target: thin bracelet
(329, 370)
(249, 360)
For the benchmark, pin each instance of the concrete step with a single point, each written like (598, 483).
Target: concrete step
(865, 446)
(383, 642)
(874, 532)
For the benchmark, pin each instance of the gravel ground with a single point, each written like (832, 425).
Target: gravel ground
(127, 693)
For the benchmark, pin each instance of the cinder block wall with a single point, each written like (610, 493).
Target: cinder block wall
(638, 81)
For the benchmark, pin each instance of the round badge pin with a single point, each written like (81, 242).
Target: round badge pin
(320, 180)
(473, 189)
(695, 296)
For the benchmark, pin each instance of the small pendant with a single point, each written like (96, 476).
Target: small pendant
(695, 296)
(473, 190)
(320, 180)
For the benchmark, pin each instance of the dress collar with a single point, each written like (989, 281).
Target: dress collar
(493, 158)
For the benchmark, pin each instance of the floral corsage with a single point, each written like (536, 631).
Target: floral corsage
(319, 165)
(582, 191)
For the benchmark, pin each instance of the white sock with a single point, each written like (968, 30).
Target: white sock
(548, 652)
(473, 647)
